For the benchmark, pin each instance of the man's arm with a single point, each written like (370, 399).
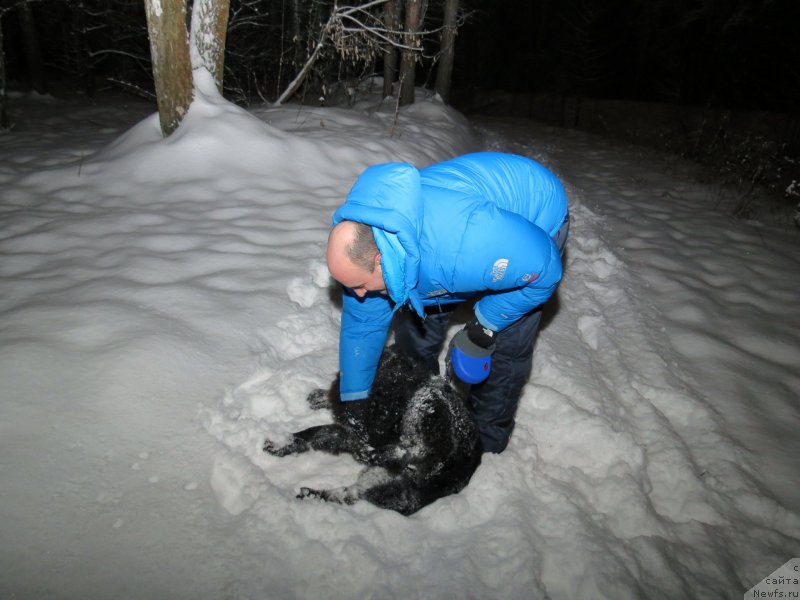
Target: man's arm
(519, 265)
(499, 310)
(516, 261)
(365, 325)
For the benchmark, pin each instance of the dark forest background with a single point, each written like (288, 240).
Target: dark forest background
(713, 80)
(742, 54)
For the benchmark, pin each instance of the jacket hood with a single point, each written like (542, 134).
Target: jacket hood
(388, 197)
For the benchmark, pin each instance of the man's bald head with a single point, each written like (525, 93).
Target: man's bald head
(354, 259)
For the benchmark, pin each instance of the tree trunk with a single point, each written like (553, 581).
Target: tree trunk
(33, 52)
(80, 49)
(4, 121)
(298, 39)
(208, 34)
(444, 71)
(169, 50)
(408, 62)
(391, 20)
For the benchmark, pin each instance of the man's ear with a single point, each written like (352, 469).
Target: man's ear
(378, 259)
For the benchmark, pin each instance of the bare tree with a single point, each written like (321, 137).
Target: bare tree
(357, 34)
(393, 11)
(297, 32)
(408, 60)
(169, 50)
(4, 122)
(312, 58)
(33, 52)
(208, 33)
(78, 48)
(100, 40)
(444, 70)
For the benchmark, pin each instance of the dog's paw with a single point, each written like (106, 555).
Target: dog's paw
(339, 496)
(318, 399)
(308, 493)
(367, 455)
(272, 448)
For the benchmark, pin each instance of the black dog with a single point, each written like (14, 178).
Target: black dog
(414, 433)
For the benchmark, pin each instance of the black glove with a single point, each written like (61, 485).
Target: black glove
(480, 335)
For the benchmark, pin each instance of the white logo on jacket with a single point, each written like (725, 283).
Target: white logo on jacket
(499, 269)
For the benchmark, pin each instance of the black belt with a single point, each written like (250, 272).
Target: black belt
(441, 308)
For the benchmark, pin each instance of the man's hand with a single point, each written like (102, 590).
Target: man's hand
(470, 355)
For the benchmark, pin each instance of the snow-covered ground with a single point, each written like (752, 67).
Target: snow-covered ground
(165, 306)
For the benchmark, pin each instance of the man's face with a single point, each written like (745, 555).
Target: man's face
(360, 280)
(356, 278)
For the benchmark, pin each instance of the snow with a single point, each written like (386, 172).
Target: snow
(165, 307)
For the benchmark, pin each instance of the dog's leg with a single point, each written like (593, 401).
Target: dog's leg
(367, 479)
(377, 486)
(333, 439)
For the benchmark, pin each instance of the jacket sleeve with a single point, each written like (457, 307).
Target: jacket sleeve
(365, 325)
(518, 262)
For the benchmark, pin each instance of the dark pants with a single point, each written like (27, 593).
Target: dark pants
(493, 402)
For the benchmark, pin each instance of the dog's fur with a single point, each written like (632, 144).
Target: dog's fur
(414, 433)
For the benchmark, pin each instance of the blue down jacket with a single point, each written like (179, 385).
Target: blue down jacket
(481, 223)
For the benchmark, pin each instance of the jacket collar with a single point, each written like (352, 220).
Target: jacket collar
(388, 197)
